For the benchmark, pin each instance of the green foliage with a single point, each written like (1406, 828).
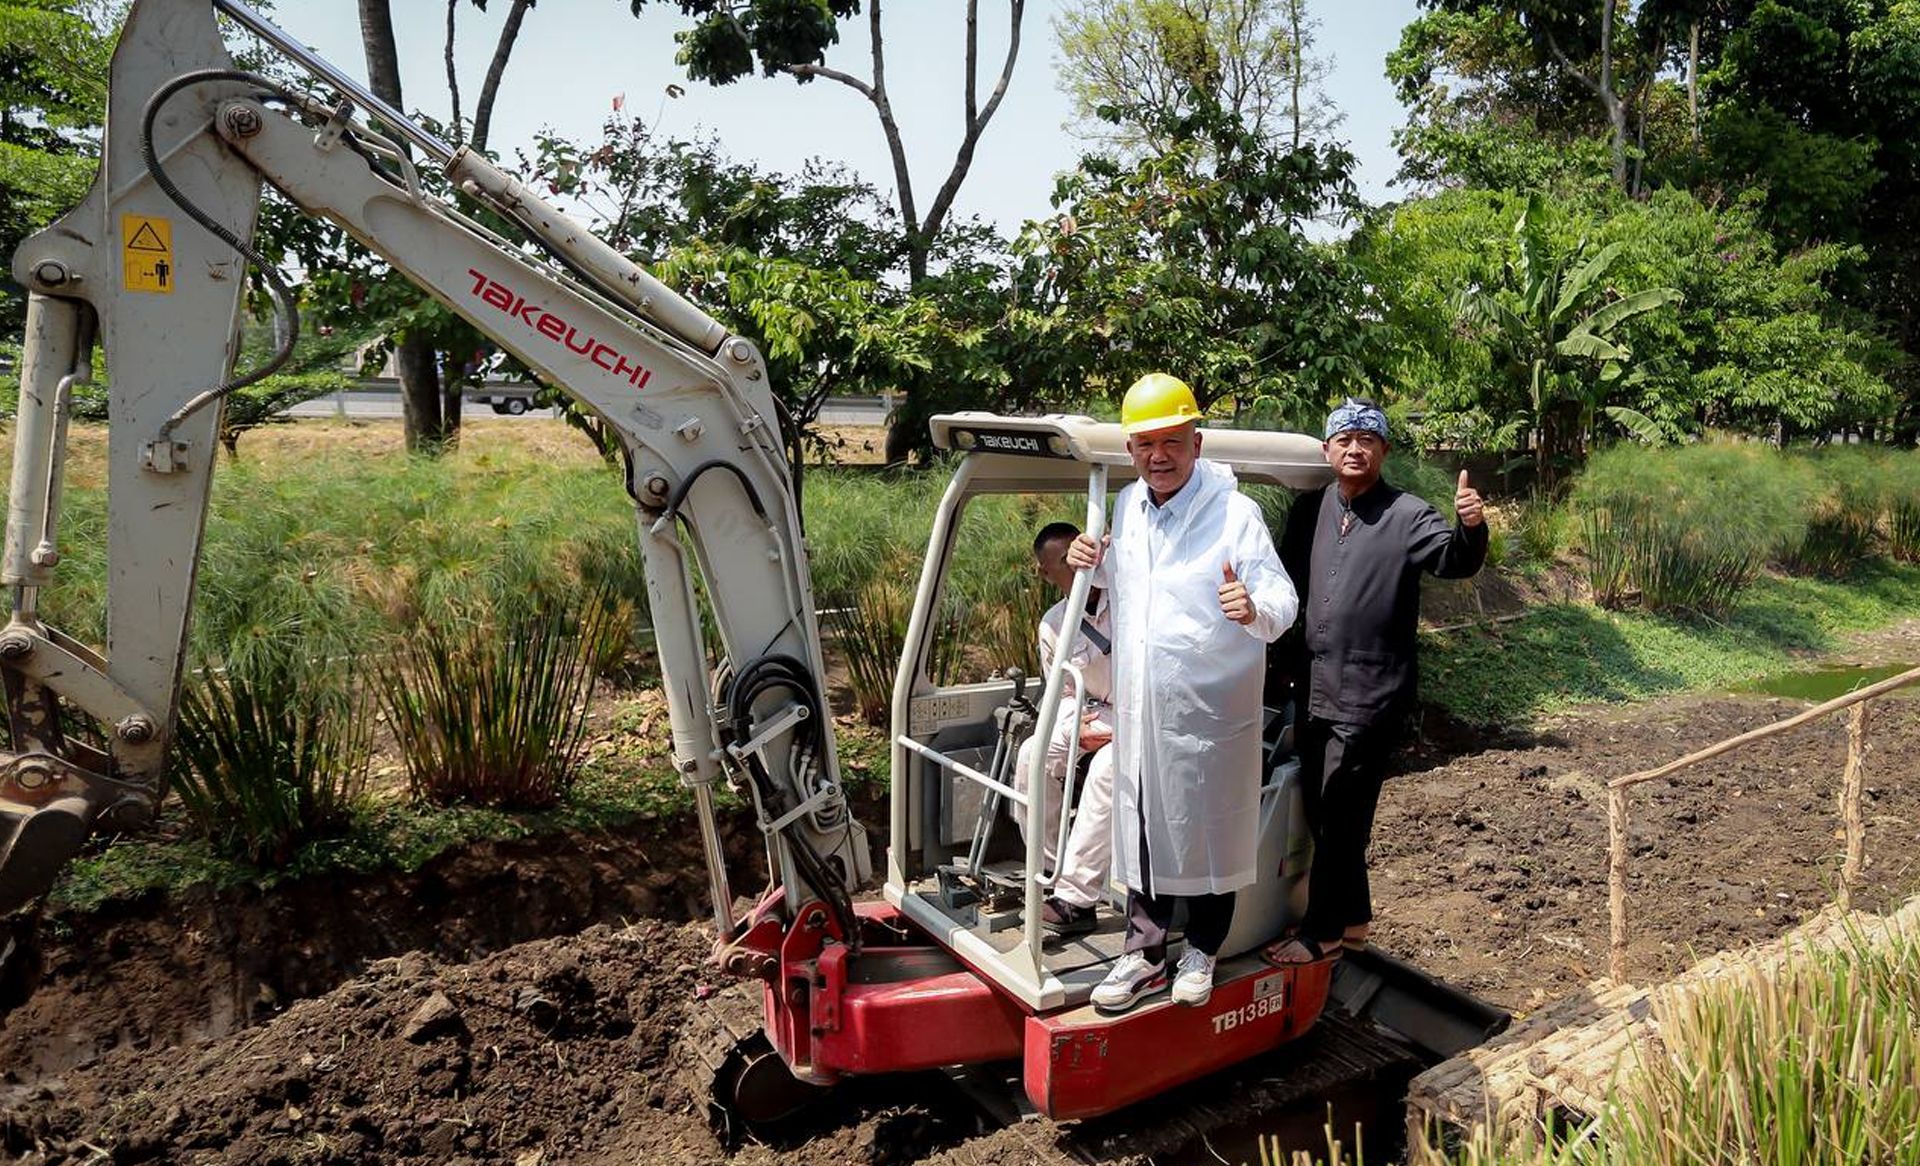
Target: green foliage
(868, 536)
(495, 715)
(1687, 529)
(1844, 522)
(1197, 260)
(272, 758)
(1757, 342)
(340, 560)
(1482, 113)
(1554, 325)
(1578, 654)
(1901, 479)
(730, 38)
(1813, 181)
(1122, 62)
(53, 68)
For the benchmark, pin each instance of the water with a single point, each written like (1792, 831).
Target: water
(1822, 684)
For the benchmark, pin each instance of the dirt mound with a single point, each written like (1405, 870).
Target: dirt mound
(573, 1051)
(554, 1051)
(1489, 871)
(155, 971)
(542, 1048)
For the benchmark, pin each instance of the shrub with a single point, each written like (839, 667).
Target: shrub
(1533, 531)
(869, 627)
(1845, 518)
(496, 715)
(1685, 529)
(375, 545)
(272, 756)
(1902, 493)
(868, 537)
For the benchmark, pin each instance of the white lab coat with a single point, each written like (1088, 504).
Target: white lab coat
(1187, 682)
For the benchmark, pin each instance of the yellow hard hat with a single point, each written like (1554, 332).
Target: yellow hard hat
(1157, 401)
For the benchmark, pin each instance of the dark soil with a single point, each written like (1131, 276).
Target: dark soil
(264, 1028)
(1490, 869)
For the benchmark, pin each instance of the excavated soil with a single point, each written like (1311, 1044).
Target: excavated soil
(296, 1041)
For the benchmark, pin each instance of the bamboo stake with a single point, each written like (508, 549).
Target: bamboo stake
(1851, 787)
(1617, 883)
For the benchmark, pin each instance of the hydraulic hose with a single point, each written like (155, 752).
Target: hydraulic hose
(765, 674)
(286, 318)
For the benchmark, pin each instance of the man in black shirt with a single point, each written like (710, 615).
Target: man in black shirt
(1355, 551)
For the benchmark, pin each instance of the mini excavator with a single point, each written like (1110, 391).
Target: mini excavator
(947, 967)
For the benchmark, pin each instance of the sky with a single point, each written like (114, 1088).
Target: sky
(575, 56)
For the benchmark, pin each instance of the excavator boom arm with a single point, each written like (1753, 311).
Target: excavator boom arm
(152, 258)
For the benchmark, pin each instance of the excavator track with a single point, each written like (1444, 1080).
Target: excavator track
(728, 1064)
(1384, 1024)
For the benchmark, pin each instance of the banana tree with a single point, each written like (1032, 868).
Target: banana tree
(1554, 325)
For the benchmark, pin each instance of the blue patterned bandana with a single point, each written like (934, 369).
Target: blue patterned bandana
(1358, 415)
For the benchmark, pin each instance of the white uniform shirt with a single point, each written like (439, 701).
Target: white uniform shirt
(1095, 665)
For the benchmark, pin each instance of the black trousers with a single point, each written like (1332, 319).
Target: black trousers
(1341, 769)
(1150, 917)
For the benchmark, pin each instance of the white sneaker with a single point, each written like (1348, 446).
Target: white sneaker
(1131, 978)
(1193, 979)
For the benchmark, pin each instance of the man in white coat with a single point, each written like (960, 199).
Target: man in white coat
(1080, 874)
(1197, 593)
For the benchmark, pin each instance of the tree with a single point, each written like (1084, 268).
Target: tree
(1815, 101)
(1133, 59)
(1758, 342)
(786, 36)
(433, 350)
(1482, 111)
(731, 37)
(1532, 55)
(1554, 326)
(1196, 260)
(53, 99)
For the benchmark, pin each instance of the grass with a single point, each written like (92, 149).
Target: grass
(352, 555)
(273, 757)
(494, 715)
(622, 782)
(1811, 1064)
(1814, 1065)
(1578, 653)
(1687, 529)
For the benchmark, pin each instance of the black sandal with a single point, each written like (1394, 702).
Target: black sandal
(1315, 949)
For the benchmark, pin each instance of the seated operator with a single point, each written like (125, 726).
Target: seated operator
(1080, 874)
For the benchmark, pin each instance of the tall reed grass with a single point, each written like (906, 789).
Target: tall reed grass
(1686, 529)
(1844, 523)
(495, 714)
(868, 537)
(273, 755)
(1817, 1064)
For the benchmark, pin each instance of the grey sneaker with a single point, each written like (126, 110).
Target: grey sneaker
(1193, 978)
(1131, 978)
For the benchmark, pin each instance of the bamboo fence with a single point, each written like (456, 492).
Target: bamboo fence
(1851, 785)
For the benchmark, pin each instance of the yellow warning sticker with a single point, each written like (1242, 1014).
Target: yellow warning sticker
(146, 254)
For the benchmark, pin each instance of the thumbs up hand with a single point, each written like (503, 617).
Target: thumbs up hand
(1235, 603)
(1466, 503)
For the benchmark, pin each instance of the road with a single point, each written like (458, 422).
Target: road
(375, 404)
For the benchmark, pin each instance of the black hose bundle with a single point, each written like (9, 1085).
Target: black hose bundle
(777, 672)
